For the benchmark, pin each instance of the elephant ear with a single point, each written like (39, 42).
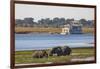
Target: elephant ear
(45, 54)
(35, 54)
(67, 50)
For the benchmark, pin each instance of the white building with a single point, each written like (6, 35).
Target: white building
(65, 30)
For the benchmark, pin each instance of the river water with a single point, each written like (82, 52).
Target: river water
(35, 41)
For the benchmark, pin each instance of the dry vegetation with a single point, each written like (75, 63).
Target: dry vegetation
(88, 30)
(49, 30)
(35, 29)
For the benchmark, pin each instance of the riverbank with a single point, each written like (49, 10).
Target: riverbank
(25, 30)
(25, 57)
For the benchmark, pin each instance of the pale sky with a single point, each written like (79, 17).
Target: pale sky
(42, 11)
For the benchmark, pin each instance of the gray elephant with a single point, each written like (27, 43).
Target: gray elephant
(60, 51)
(66, 50)
(40, 54)
(56, 50)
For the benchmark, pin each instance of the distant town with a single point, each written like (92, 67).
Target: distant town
(55, 25)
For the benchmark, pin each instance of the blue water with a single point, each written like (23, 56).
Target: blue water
(44, 41)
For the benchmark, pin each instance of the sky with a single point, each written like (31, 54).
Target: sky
(42, 11)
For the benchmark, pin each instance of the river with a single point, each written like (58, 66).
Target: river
(35, 41)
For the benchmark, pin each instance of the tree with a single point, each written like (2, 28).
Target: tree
(83, 22)
(68, 21)
(55, 22)
(62, 21)
(90, 23)
(19, 22)
(46, 22)
(28, 21)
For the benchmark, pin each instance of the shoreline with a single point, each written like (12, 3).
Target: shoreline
(50, 48)
(47, 30)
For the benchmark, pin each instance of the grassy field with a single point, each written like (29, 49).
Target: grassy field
(35, 29)
(49, 30)
(23, 57)
(88, 30)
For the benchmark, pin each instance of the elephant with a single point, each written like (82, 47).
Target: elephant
(66, 50)
(56, 50)
(40, 54)
(60, 51)
(45, 54)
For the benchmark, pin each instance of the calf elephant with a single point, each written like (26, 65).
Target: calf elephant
(40, 54)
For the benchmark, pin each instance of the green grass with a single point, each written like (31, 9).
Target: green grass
(22, 57)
